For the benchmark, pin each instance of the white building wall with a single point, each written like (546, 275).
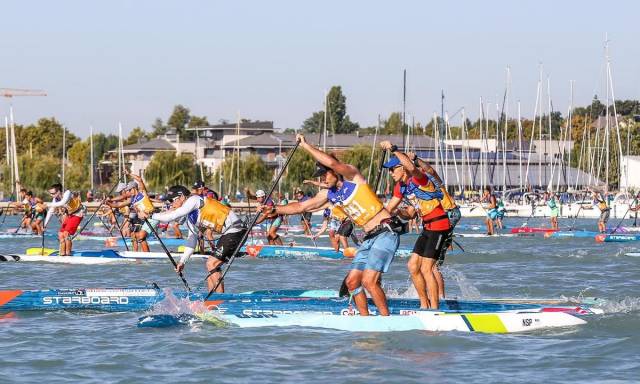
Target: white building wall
(630, 173)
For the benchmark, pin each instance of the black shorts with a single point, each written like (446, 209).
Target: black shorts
(227, 244)
(307, 217)
(346, 228)
(430, 244)
(443, 252)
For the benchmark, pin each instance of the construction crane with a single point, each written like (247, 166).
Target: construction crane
(10, 133)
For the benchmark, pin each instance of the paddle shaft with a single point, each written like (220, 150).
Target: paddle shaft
(623, 216)
(577, 213)
(126, 246)
(164, 248)
(253, 222)
(97, 209)
(309, 226)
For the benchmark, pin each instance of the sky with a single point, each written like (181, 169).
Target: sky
(131, 61)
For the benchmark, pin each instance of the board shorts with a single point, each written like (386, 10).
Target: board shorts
(604, 216)
(454, 217)
(431, 243)
(346, 228)
(334, 225)
(492, 214)
(145, 227)
(555, 212)
(377, 253)
(70, 224)
(227, 244)
(277, 222)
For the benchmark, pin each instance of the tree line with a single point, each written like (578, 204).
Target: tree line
(39, 145)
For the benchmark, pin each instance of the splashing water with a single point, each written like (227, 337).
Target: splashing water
(467, 290)
(625, 305)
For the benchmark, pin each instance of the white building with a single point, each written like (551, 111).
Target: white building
(630, 173)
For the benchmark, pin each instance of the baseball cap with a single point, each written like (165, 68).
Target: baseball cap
(392, 163)
(175, 192)
(130, 185)
(320, 170)
(121, 187)
(260, 193)
(198, 184)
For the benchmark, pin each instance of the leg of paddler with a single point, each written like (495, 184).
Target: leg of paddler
(415, 261)
(354, 284)
(371, 282)
(214, 264)
(432, 283)
(62, 245)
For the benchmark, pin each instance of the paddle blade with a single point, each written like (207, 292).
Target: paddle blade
(39, 251)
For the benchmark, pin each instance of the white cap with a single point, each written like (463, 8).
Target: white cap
(260, 193)
(120, 187)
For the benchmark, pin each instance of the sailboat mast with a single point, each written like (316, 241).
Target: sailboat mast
(91, 154)
(14, 152)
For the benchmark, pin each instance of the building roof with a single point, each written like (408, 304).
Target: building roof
(157, 144)
(338, 141)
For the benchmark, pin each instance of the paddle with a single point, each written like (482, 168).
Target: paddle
(42, 244)
(126, 246)
(97, 209)
(253, 222)
(623, 216)
(309, 225)
(577, 213)
(166, 251)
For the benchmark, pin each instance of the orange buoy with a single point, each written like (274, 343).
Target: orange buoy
(350, 252)
(600, 238)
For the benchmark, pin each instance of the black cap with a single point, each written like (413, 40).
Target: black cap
(320, 170)
(175, 192)
(198, 184)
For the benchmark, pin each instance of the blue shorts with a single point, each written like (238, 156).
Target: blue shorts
(146, 228)
(334, 224)
(377, 253)
(492, 214)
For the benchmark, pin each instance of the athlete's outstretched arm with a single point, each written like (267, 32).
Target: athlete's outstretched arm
(310, 205)
(347, 171)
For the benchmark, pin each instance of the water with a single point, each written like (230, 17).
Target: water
(93, 347)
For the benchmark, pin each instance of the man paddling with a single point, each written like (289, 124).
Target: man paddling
(412, 185)
(138, 202)
(492, 209)
(605, 211)
(360, 203)
(69, 207)
(204, 213)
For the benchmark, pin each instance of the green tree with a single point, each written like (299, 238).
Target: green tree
(179, 120)
(393, 124)
(254, 174)
(360, 157)
(159, 128)
(45, 137)
(338, 120)
(77, 170)
(301, 167)
(35, 178)
(102, 144)
(197, 121)
(166, 169)
(136, 135)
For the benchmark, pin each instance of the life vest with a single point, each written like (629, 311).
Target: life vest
(551, 203)
(338, 214)
(213, 214)
(602, 205)
(424, 198)
(142, 203)
(448, 203)
(74, 204)
(357, 201)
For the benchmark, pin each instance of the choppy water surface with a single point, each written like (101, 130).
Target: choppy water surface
(91, 347)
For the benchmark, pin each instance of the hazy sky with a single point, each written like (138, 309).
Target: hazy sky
(132, 61)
